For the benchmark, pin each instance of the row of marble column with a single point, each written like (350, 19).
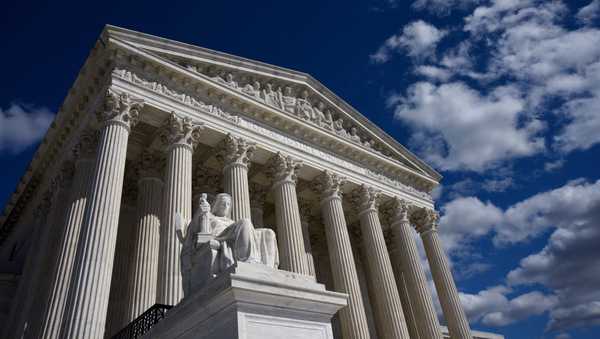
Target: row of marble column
(82, 276)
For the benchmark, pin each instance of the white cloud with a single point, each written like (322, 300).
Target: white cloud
(568, 266)
(434, 73)
(458, 128)
(588, 14)
(22, 126)
(418, 39)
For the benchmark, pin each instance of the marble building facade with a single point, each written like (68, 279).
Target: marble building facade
(88, 237)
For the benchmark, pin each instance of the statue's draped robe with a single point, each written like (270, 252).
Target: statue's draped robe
(240, 241)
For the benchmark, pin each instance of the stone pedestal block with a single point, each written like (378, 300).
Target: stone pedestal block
(253, 301)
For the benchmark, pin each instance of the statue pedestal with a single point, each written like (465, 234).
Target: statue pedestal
(252, 301)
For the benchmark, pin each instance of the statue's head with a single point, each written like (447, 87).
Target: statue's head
(222, 205)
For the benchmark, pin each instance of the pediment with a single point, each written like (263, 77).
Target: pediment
(286, 91)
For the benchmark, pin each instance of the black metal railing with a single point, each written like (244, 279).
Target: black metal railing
(144, 322)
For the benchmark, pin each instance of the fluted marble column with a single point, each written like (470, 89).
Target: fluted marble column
(236, 155)
(353, 319)
(389, 317)
(144, 266)
(306, 218)
(414, 275)
(180, 136)
(60, 279)
(90, 283)
(409, 314)
(458, 326)
(283, 170)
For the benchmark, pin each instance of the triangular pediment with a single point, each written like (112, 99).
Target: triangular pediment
(287, 91)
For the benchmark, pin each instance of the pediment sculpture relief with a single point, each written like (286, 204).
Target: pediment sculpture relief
(297, 104)
(212, 242)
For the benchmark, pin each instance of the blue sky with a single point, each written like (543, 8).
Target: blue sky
(502, 97)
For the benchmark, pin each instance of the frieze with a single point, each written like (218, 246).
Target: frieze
(216, 111)
(294, 101)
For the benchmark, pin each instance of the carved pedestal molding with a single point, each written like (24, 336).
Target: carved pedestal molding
(59, 281)
(389, 317)
(406, 252)
(144, 267)
(353, 319)
(179, 135)
(236, 153)
(283, 171)
(90, 283)
(306, 218)
(426, 225)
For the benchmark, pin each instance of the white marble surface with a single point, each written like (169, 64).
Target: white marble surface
(254, 301)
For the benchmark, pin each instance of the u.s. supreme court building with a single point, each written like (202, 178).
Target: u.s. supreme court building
(88, 239)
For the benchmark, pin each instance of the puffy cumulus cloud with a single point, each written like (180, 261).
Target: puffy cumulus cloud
(418, 40)
(526, 45)
(521, 307)
(466, 219)
(461, 129)
(21, 126)
(493, 307)
(568, 266)
(590, 13)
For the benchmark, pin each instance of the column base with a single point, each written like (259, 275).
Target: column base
(253, 301)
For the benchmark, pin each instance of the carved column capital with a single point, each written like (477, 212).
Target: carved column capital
(282, 169)
(120, 108)
(150, 165)
(236, 151)
(365, 198)
(329, 185)
(180, 131)
(425, 220)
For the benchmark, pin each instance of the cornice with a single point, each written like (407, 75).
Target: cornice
(148, 45)
(131, 61)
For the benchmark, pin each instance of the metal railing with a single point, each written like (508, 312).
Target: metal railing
(142, 324)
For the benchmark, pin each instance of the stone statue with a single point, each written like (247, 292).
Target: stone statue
(213, 242)
(303, 107)
(270, 96)
(288, 100)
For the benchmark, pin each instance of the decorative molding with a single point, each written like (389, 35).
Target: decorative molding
(425, 220)
(180, 131)
(236, 151)
(365, 198)
(195, 102)
(329, 186)
(120, 108)
(293, 101)
(283, 168)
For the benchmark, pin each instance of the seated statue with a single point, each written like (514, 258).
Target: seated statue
(213, 242)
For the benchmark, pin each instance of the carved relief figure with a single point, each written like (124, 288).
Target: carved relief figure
(354, 135)
(271, 97)
(213, 242)
(303, 107)
(288, 100)
(252, 90)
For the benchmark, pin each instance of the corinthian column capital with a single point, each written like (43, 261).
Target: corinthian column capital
(425, 220)
(121, 109)
(329, 185)
(365, 198)
(180, 131)
(236, 151)
(282, 169)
